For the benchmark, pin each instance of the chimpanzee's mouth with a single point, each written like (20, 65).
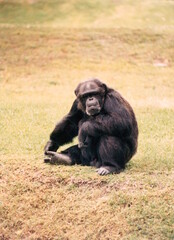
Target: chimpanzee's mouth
(91, 111)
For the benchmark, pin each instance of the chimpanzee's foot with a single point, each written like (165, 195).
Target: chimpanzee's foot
(58, 158)
(105, 170)
(47, 159)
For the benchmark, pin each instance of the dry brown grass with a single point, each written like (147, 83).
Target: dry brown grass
(46, 202)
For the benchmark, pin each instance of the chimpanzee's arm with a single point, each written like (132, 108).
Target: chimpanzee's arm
(65, 130)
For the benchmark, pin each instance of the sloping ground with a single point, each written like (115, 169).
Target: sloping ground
(40, 67)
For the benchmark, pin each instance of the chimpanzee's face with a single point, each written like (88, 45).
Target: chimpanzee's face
(90, 95)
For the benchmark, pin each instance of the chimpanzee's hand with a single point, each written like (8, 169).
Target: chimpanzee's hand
(83, 135)
(50, 146)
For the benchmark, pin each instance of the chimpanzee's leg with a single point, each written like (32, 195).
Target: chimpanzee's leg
(88, 152)
(77, 154)
(70, 156)
(111, 153)
(108, 154)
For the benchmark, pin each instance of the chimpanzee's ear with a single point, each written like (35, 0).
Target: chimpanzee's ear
(105, 88)
(77, 90)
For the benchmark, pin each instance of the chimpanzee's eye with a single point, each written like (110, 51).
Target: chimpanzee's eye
(84, 96)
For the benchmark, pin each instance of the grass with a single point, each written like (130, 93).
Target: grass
(42, 61)
(88, 13)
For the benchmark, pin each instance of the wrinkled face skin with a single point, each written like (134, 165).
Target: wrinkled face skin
(91, 96)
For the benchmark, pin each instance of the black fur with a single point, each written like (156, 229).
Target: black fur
(106, 127)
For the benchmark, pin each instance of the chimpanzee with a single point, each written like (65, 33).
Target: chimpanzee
(106, 128)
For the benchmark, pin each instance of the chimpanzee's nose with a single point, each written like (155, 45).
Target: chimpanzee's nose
(91, 99)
